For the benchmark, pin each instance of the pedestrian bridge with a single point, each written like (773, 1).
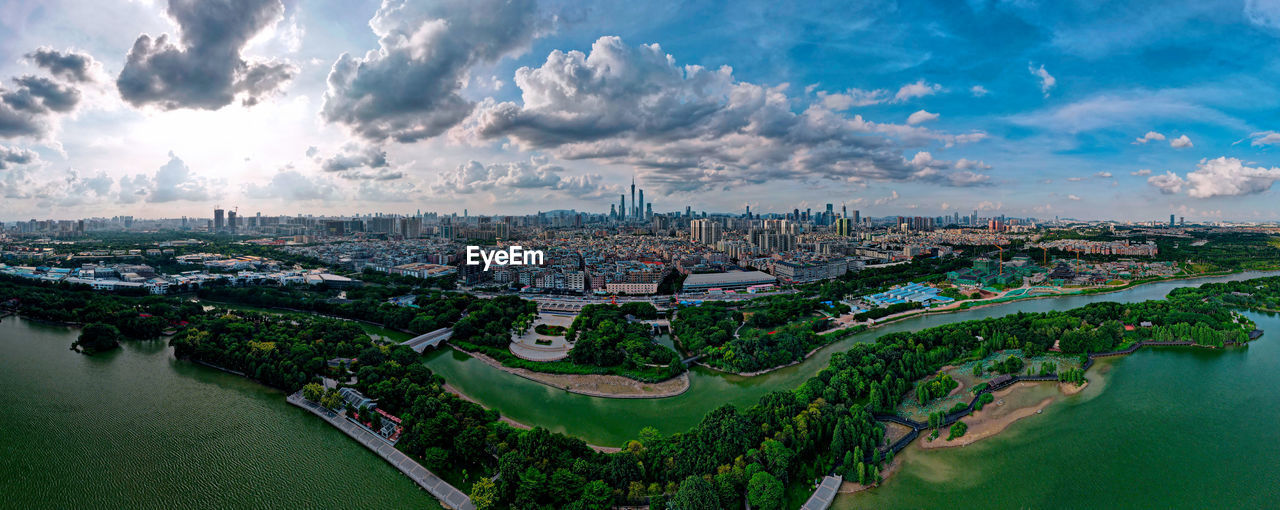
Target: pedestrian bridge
(433, 339)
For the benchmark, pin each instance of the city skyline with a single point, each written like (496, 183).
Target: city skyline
(917, 109)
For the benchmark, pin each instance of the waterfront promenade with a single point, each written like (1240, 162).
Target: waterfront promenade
(448, 495)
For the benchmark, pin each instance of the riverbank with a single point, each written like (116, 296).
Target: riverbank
(962, 306)
(993, 419)
(592, 385)
(519, 425)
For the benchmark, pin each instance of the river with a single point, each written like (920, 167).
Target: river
(611, 422)
(136, 428)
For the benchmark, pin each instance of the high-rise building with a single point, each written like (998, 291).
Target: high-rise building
(622, 207)
(218, 221)
(844, 227)
(705, 231)
(1171, 223)
(857, 218)
(231, 220)
(640, 206)
(633, 197)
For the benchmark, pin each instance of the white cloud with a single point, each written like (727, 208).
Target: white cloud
(1261, 138)
(840, 101)
(1073, 197)
(1047, 81)
(1151, 135)
(1103, 175)
(920, 88)
(1169, 183)
(290, 185)
(687, 128)
(1180, 142)
(886, 199)
(1142, 172)
(978, 91)
(1218, 177)
(1263, 13)
(921, 116)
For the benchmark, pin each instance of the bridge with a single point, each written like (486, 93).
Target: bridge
(433, 339)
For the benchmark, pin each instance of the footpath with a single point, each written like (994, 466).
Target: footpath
(448, 495)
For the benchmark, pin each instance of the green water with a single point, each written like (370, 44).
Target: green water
(606, 421)
(1166, 428)
(138, 429)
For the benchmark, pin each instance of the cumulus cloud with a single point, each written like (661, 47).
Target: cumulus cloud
(920, 88)
(1261, 138)
(1103, 175)
(1218, 177)
(1180, 142)
(172, 182)
(70, 65)
(504, 178)
(921, 116)
(10, 157)
(289, 184)
(28, 109)
(1151, 135)
(1169, 183)
(689, 127)
(1073, 197)
(841, 101)
(205, 70)
(978, 91)
(1142, 172)
(958, 173)
(409, 88)
(354, 155)
(1047, 81)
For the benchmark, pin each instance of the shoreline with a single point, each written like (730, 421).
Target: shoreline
(523, 426)
(579, 383)
(958, 308)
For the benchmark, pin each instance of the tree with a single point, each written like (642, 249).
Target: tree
(313, 392)
(695, 494)
(597, 495)
(98, 337)
(484, 494)
(764, 492)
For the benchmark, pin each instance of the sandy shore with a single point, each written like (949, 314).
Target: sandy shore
(848, 487)
(607, 386)
(995, 417)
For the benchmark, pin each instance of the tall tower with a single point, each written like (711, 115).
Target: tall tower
(640, 206)
(217, 219)
(633, 195)
(622, 206)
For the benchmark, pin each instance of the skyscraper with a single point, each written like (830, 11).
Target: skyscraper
(218, 221)
(633, 196)
(622, 207)
(1171, 223)
(231, 220)
(640, 206)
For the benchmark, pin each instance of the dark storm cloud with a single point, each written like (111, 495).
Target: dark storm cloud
(207, 70)
(69, 65)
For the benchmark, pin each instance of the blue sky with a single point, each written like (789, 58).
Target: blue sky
(1075, 109)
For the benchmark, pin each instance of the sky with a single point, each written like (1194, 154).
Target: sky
(1091, 110)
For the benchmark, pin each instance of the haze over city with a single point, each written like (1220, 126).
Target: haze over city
(1026, 109)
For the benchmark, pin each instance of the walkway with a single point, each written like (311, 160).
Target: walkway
(825, 494)
(449, 496)
(433, 339)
